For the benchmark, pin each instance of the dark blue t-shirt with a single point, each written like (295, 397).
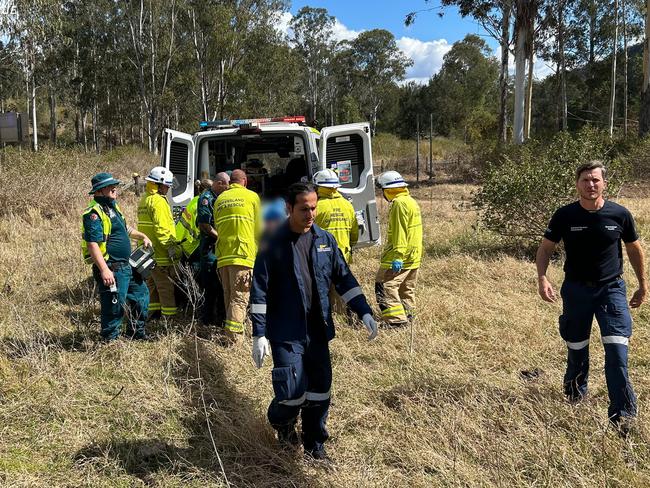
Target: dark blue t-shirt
(592, 240)
(118, 245)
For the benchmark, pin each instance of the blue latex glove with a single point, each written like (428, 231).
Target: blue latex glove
(396, 265)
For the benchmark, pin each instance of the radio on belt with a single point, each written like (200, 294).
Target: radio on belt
(141, 260)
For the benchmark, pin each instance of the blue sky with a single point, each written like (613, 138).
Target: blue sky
(425, 42)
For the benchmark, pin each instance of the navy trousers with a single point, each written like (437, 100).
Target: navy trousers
(132, 299)
(609, 304)
(302, 378)
(214, 309)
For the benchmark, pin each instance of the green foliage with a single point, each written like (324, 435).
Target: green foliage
(527, 183)
(461, 98)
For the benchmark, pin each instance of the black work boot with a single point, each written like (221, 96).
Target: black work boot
(319, 455)
(288, 437)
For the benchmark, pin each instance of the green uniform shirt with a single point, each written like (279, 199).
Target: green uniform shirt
(118, 244)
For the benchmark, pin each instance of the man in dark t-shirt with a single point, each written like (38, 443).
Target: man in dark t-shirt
(592, 230)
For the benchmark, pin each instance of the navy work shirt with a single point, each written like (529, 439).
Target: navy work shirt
(592, 240)
(204, 216)
(118, 244)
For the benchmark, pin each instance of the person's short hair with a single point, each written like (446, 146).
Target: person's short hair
(296, 189)
(591, 165)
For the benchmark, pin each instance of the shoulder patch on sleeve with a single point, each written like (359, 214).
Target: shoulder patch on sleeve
(93, 216)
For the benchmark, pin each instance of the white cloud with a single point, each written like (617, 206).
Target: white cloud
(426, 55)
(342, 33)
(282, 22)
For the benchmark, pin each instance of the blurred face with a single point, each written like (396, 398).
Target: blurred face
(163, 189)
(109, 192)
(303, 213)
(591, 184)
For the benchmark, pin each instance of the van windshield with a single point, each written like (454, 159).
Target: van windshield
(272, 161)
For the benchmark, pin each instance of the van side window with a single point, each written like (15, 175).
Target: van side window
(345, 156)
(178, 154)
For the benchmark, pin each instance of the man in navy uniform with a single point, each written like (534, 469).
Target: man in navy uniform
(291, 312)
(592, 230)
(213, 307)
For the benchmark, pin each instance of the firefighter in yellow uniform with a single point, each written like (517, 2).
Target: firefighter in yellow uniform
(397, 276)
(187, 231)
(336, 215)
(238, 223)
(156, 222)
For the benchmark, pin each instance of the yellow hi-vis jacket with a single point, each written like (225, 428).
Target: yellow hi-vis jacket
(404, 240)
(238, 222)
(156, 222)
(107, 227)
(187, 232)
(336, 216)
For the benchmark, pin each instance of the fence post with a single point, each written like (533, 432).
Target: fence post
(417, 148)
(430, 146)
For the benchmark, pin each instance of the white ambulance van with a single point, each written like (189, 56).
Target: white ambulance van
(274, 153)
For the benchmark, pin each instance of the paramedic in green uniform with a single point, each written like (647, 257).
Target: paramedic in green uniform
(106, 245)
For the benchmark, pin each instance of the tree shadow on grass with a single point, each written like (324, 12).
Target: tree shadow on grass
(246, 444)
(74, 341)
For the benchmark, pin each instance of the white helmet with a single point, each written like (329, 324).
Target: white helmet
(161, 175)
(391, 179)
(327, 178)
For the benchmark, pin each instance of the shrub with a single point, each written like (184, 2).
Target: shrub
(527, 183)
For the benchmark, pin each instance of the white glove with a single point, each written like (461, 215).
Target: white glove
(371, 325)
(261, 348)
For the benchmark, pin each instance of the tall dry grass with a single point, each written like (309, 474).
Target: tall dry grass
(458, 411)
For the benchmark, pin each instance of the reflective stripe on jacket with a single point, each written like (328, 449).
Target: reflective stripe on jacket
(404, 239)
(238, 222)
(107, 227)
(187, 232)
(156, 222)
(336, 216)
(276, 300)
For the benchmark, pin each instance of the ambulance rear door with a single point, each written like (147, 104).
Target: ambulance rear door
(347, 150)
(178, 156)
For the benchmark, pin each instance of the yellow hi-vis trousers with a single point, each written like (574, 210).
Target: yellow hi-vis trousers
(161, 290)
(236, 281)
(395, 293)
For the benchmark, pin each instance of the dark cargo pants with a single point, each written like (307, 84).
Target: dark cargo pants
(214, 309)
(302, 378)
(131, 299)
(608, 303)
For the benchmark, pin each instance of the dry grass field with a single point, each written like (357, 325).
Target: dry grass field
(476, 403)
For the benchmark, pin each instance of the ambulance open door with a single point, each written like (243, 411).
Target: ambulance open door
(347, 150)
(178, 156)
